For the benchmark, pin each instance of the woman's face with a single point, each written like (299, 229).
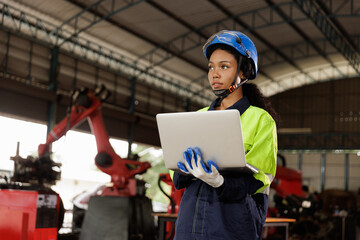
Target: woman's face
(222, 69)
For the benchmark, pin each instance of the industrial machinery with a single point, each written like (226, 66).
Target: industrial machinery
(289, 195)
(120, 211)
(29, 208)
(175, 199)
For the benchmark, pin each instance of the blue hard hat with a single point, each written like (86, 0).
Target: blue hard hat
(239, 41)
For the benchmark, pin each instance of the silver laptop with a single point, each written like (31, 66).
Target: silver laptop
(217, 134)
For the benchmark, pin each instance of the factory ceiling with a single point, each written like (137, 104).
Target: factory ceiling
(298, 42)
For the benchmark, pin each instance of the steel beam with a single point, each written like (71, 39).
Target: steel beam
(131, 111)
(75, 18)
(327, 7)
(299, 50)
(95, 21)
(334, 35)
(6, 55)
(52, 87)
(346, 176)
(115, 88)
(300, 160)
(319, 141)
(75, 74)
(137, 34)
(284, 16)
(191, 28)
(322, 170)
(30, 63)
(183, 23)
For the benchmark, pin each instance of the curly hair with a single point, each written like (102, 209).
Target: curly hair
(257, 99)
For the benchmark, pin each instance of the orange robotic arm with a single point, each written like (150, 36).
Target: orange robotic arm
(122, 171)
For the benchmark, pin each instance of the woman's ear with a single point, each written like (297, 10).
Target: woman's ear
(248, 69)
(240, 76)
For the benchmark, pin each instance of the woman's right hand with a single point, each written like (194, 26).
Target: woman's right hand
(195, 165)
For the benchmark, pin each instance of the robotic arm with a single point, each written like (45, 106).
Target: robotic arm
(122, 171)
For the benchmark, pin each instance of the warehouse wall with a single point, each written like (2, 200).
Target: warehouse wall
(335, 167)
(332, 106)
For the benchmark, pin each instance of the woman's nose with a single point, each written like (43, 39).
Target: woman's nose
(216, 73)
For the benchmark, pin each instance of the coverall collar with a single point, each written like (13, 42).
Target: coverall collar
(240, 105)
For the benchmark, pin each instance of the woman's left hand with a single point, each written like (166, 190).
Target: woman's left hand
(196, 166)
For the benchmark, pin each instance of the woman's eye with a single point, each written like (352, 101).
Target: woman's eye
(211, 67)
(224, 67)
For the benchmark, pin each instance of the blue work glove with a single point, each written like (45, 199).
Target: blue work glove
(195, 165)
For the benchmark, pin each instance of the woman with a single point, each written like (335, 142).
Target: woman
(233, 205)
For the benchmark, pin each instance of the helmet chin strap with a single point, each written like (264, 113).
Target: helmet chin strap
(223, 93)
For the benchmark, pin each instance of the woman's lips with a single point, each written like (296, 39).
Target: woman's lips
(217, 85)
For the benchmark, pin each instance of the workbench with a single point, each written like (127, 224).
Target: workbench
(163, 218)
